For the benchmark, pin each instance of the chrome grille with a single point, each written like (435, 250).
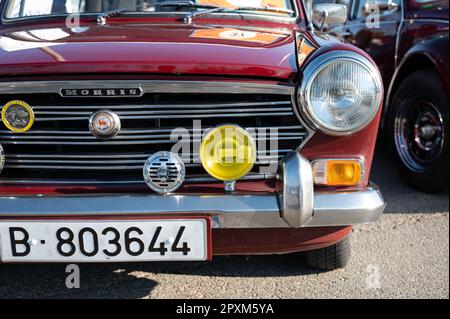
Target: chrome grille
(60, 146)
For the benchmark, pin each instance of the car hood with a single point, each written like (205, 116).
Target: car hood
(150, 49)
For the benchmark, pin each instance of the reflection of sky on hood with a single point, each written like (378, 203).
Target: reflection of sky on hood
(24, 40)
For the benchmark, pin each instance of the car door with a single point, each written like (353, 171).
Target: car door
(374, 28)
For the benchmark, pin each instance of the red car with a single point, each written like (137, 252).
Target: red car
(172, 130)
(408, 39)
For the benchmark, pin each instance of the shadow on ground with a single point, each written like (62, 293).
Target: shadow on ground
(400, 197)
(123, 281)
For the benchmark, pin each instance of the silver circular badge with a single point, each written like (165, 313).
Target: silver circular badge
(164, 172)
(104, 124)
(2, 158)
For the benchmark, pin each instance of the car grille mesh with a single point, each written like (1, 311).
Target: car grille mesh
(60, 146)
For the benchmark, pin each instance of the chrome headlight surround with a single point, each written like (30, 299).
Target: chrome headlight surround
(314, 69)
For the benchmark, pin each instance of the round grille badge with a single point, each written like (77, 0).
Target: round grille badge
(164, 172)
(18, 116)
(104, 124)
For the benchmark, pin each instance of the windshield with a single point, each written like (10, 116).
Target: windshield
(16, 9)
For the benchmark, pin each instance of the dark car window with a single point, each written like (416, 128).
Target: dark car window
(360, 11)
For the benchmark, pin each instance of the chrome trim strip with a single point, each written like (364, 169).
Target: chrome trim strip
(347, 208)
(116, 142)
(261, 160)
(97, 167)
(155, 117)
(230, 211)
(225, 106)
(106, 161)
(427, 20)
(44, 138)
(115, 156)
(52, 182)
(156, 131)
(168, 113)
(33, 87)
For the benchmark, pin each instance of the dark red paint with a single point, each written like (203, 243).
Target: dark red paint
(164, 48)
(275, 241)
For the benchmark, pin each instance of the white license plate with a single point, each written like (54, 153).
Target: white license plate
(105, 241)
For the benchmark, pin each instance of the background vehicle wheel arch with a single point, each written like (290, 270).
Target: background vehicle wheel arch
(411, 63)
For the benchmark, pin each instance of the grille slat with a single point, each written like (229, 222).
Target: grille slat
(181, 116)
(110, 157)
(60, 146)
(172, 106)
(4, 133)
(110, 164)
(115, 142)
(134, 114)
(285, 135)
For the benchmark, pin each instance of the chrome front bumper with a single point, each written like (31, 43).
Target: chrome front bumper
(296, 206)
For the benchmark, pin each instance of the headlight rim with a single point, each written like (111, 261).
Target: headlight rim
(304, 109)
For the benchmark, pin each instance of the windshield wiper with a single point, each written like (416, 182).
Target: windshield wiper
(104, 16)
(190, 17)
(188, 4)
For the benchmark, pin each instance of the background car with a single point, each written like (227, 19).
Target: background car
(409, 41)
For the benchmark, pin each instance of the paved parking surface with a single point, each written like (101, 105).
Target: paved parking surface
(405, 255)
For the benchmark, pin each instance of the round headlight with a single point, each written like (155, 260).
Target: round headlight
(341, 92)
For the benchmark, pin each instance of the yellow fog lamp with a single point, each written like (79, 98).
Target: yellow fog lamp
(338, 172)
(228, 153)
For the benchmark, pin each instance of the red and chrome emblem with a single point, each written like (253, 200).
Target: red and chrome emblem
(104, 124)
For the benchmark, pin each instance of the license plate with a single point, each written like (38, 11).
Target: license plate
(105, 241)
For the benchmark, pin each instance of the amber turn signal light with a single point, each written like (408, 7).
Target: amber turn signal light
(338, 172)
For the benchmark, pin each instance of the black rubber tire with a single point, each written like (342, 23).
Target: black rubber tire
(332, 257)
(422, 84)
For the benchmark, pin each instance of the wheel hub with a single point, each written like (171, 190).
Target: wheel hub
(419, 134)
(426, 133)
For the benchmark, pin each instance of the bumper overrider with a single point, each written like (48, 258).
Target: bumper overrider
(296, 205)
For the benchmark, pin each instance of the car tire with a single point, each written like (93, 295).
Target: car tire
(330, 258)
(421, 156)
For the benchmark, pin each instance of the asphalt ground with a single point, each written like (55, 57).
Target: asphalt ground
(404, 255)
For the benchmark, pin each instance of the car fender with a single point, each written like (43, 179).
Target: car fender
(434, 52)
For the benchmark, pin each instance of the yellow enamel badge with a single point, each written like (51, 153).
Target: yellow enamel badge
(18, 116)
